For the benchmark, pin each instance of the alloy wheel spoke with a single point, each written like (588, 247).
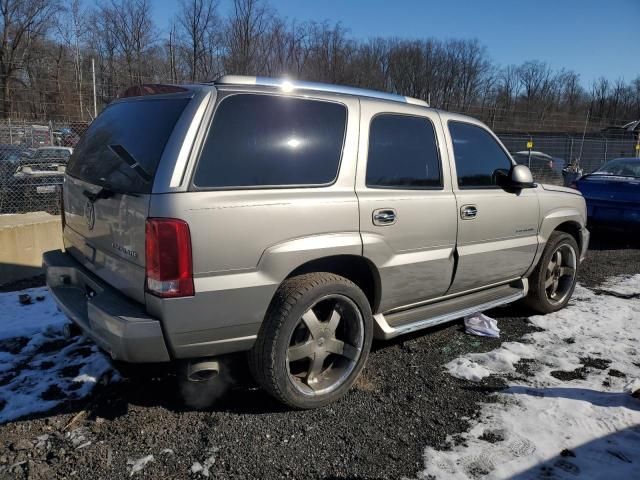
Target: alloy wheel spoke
(316, 369)
(559, 258)
(311, 321)
(548, 282)
(298, 352)
(343, 349)
(564, 271)
(334, 321)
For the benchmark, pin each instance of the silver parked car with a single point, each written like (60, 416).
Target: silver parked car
(296, 221)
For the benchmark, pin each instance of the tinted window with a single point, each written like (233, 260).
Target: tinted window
(139, 131)
(477, 155)
(402, 153)
(263, 140)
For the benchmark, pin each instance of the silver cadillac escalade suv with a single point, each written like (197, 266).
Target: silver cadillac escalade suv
(296, 221)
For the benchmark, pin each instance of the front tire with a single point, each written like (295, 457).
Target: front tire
(552, 282)
(314, 340)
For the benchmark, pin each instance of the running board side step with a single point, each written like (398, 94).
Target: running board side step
(392, 325)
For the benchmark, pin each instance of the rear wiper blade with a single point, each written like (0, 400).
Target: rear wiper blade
(106, 191)
(122, 152)
(102, 193)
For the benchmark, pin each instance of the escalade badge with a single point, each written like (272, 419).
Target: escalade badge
(125, 250)
(89, 215)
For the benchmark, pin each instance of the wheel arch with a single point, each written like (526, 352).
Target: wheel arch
(573, 228)
(355, 268)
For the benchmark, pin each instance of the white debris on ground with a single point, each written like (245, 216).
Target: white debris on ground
(138, 465)
(39, 368)
(203, 468)
(481, 325)
(586, 426)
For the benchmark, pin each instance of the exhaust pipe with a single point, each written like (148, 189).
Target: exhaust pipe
(204, 370)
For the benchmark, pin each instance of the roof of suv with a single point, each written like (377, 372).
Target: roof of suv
(288, 85)
(283, 84)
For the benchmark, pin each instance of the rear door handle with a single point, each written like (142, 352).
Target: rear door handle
(468, 212)
(384, 216)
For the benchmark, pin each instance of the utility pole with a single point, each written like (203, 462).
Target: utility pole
(95, 104)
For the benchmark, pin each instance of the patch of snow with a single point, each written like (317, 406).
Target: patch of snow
(39, 368)
(626, 285)
(84, 378)
(137, 465)
(25, 320)
(633, 386)
(551, 428)
(467, 369)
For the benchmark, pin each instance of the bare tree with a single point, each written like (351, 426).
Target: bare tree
(22, 22)
(199, 26)
(246, 34)
(73, 28)
(130, 24)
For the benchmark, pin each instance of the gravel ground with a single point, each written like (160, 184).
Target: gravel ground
(403, 402)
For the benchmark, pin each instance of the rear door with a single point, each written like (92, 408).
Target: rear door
(108, 185)
(497, 229)
(407, 208)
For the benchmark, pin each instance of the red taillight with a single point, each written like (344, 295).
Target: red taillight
(168, 258)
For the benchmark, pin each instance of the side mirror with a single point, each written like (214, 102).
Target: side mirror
(520, 177)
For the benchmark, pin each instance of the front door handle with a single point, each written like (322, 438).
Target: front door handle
(468, 212)
(384, 216)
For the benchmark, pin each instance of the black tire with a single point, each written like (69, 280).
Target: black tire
(539, 298)
(270, 361)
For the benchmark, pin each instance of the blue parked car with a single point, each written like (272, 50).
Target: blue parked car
(613, 193)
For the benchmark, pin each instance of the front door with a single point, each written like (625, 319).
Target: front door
(497, 229)
(407, 207)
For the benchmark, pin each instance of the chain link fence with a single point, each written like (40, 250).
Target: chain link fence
(33, 159)
(547, 155)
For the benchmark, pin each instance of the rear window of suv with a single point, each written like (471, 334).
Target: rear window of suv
(272, 141)
(122, 147)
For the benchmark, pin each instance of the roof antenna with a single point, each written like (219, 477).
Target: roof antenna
(584, 132)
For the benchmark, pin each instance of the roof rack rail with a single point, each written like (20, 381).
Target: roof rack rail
(288, 85)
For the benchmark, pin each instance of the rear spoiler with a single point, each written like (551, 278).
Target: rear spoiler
(150, 89)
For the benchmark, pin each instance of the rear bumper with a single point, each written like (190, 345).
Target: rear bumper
(117, 324)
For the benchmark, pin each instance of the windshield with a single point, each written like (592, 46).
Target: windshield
(620, 167)
(122, 147)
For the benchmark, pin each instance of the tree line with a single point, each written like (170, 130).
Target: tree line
(48, 47)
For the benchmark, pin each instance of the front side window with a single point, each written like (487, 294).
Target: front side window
(403, 153)
(477, 155)
(267, 140)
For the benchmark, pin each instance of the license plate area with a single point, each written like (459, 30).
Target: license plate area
(46, 189)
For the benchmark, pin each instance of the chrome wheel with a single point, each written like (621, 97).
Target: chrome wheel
(560, 274)
(325, 345)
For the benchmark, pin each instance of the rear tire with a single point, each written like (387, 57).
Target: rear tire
(314, 340)
(553, 280)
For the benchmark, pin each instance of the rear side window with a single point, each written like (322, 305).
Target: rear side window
(266, 140)
(123, 145)
(477, 156)
(403, 153)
